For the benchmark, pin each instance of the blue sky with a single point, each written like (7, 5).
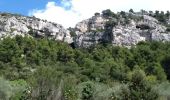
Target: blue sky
(70, 12)
(23, 6)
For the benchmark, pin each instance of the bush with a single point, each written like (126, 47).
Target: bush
(13, 90)
(140, 88)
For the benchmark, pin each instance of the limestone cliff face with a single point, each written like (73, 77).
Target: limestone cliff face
(122, 29)
(119, 31)
(12, 25)
(88, 31)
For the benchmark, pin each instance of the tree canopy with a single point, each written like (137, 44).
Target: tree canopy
(41, 68)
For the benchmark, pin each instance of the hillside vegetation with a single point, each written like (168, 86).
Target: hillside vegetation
(42, 69)
(111, 56)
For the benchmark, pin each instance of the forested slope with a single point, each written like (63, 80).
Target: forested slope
(43, 69)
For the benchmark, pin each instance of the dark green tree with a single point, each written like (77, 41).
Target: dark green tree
(140, 89)
(88, 91)
(131, 11)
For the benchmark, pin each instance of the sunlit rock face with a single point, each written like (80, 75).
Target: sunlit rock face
(126, 29)
(139, 28)
(12, 25)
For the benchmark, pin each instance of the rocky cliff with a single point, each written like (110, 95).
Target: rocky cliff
(122, 29)
(12, 25)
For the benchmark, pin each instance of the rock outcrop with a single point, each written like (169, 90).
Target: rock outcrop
(12, 25)
(121, 29)
(138, 28)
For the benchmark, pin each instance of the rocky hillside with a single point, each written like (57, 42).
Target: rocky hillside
(122, 29)
(12, 25)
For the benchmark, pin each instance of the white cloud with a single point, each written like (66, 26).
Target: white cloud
(73, 11)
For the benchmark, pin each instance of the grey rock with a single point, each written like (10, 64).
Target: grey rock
(88, 39)
(93, 31)
(12, 25)
(141, 27)
(161, 37)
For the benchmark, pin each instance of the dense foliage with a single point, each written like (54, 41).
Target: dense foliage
(42, 69)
